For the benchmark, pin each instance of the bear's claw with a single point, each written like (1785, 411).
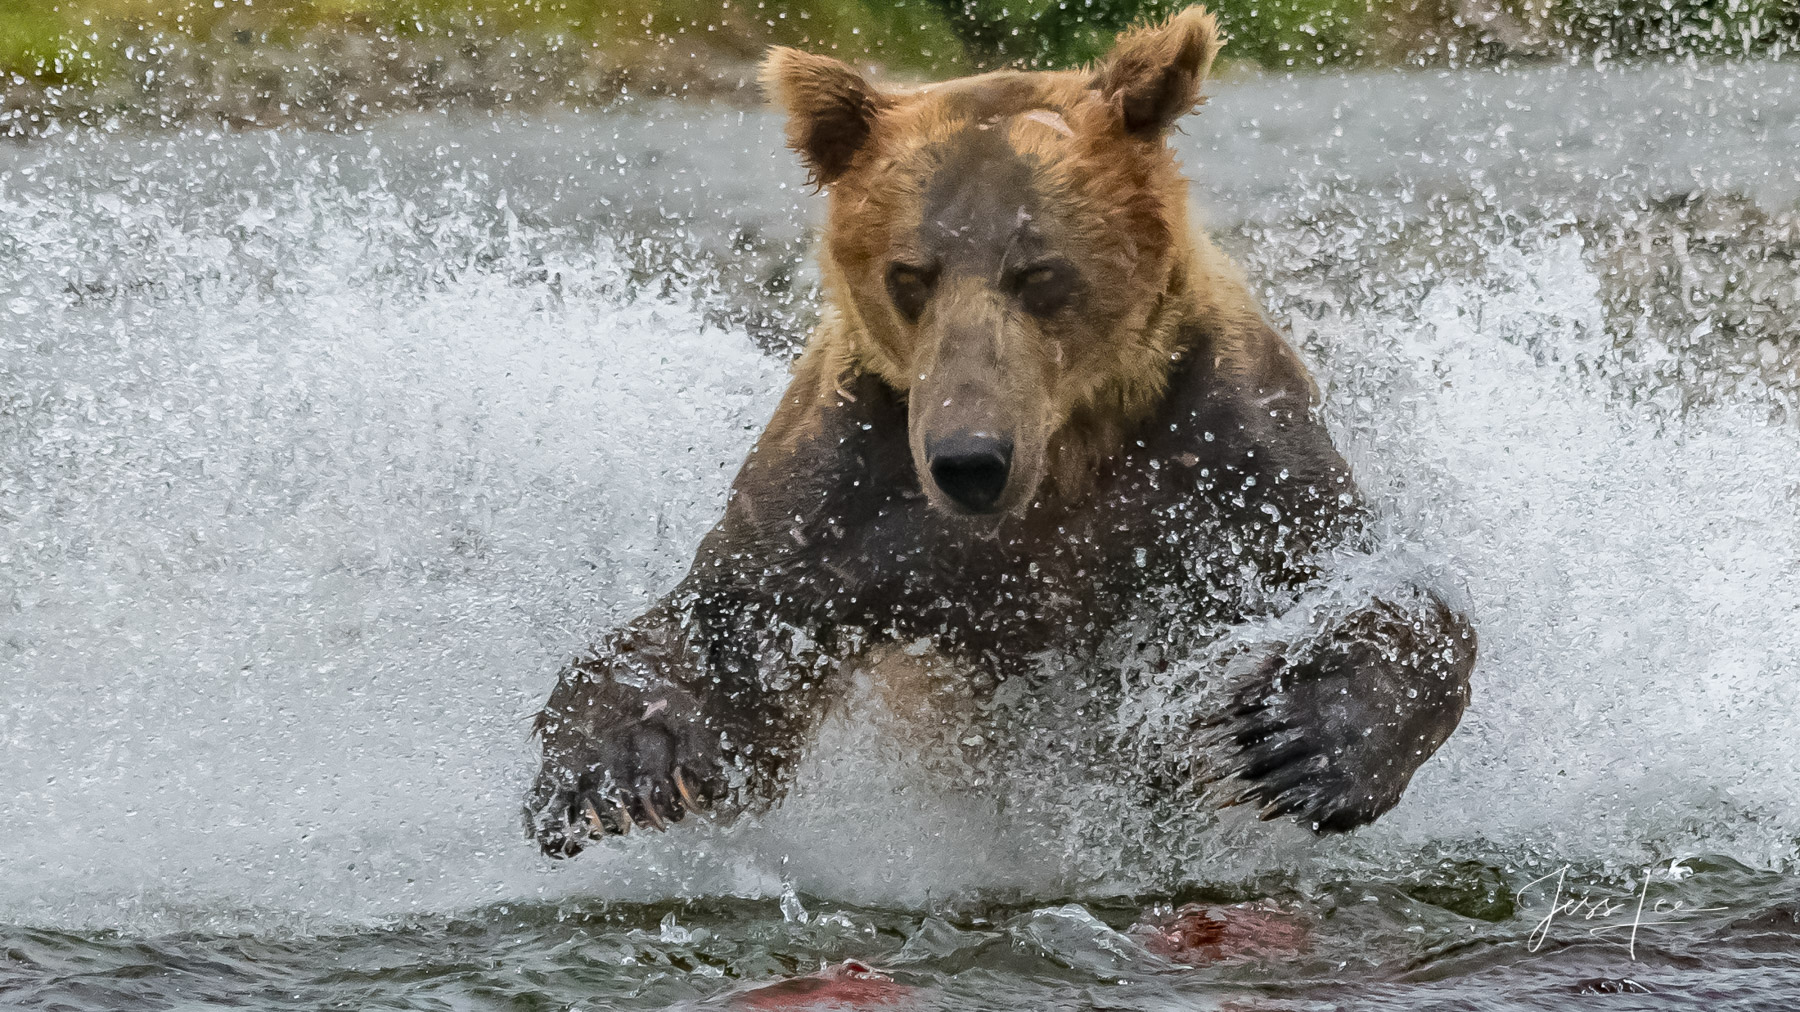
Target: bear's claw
(1333, 736)
(564, 820)
(599, 779)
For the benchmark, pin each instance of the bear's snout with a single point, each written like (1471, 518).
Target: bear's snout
(971, 468)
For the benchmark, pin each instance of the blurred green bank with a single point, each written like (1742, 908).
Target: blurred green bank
(333, 62)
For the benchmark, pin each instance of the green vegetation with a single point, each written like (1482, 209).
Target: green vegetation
(1285, 34)
(38, 36)
(38, 41)
(1677, 27)
(70, 40)
(1051, 33)
(328, 62)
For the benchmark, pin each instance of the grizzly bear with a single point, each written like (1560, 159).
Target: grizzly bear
(1038, 408)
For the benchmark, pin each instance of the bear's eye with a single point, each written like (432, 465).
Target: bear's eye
(910, 288)
(1043, 289)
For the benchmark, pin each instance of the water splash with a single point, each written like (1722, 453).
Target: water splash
(311, 476)
(1632, 571)
(292, 550)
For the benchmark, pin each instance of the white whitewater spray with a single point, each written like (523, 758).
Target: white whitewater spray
(306, 494)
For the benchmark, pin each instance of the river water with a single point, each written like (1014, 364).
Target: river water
(319, 453)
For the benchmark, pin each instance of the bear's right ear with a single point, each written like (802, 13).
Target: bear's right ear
(830, 108)
(1153, 75)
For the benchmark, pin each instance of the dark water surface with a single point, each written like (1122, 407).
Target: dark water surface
(319, 454)
(1449, 938)
(1442, 940)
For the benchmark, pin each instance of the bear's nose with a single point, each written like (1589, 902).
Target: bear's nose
(971, 468)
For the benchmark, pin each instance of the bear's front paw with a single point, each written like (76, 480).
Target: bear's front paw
(1333, 736)
(614, 756)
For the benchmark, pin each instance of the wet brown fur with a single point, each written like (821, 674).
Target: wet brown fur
(1171, 454)
(1118, 185)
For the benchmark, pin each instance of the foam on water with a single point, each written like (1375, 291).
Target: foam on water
(288, 564)
(305, 494)
(1632, 575)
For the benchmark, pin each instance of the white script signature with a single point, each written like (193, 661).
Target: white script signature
(1609, 909)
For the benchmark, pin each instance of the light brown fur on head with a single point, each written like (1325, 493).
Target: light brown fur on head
(1012, 252)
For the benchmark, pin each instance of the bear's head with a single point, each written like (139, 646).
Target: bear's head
(1006, 251)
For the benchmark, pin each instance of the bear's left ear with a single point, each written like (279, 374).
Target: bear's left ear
(830, 108)
(1153, 74)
